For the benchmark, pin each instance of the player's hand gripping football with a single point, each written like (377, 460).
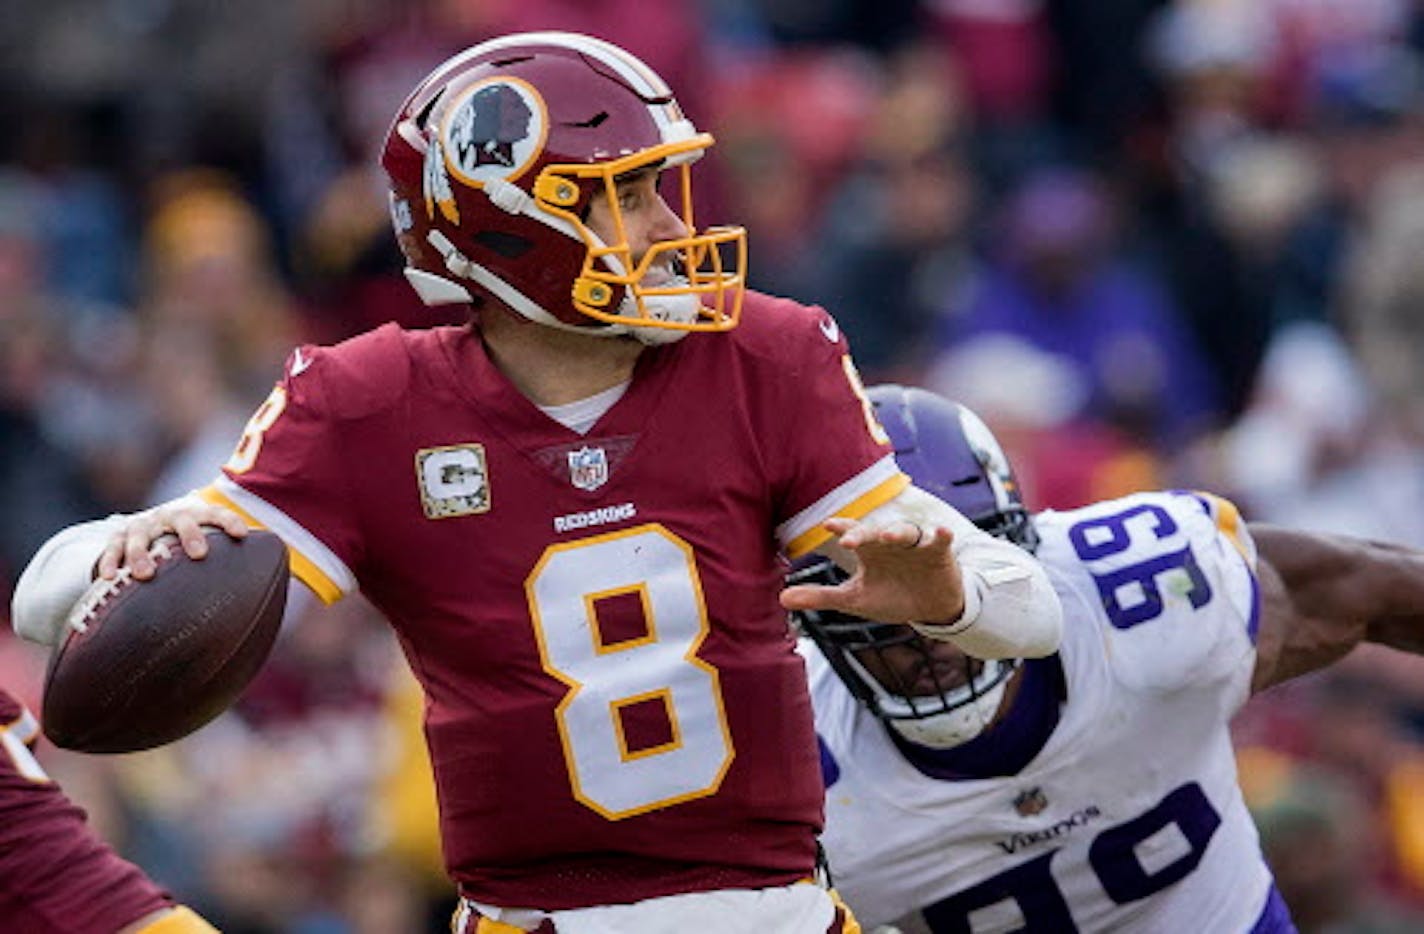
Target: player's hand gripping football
(905, 573)
(129, 546)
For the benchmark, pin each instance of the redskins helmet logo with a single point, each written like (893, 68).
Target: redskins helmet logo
(493, 129)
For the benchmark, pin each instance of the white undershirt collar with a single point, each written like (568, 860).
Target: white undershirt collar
(580, 416)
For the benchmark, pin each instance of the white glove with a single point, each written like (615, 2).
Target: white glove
(57, 577)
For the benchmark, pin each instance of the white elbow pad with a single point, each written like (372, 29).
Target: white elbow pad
(57, 577)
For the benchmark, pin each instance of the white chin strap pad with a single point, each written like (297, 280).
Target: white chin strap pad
(682, 309)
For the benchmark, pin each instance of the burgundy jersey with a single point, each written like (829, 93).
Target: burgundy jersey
(614, 707)
(56, 876)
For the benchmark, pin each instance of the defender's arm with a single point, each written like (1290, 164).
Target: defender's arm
(1321, 595)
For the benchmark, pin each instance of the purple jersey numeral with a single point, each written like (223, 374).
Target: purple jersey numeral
(1026, 890)
(1185, 814)
(1140, 580)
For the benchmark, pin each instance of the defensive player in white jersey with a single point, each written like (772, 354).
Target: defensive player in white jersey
(1095, 789)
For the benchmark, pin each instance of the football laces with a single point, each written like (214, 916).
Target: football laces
(104, 589)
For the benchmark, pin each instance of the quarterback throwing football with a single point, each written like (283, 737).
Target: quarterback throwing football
(573, 510)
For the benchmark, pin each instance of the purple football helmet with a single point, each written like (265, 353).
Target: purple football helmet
(948, 452)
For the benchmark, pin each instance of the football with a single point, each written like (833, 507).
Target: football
(147, 662)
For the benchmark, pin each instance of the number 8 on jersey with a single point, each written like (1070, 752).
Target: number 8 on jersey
(609, 676)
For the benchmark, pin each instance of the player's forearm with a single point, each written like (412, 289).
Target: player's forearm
(1011, 609)
(1398, 619)
(56, 578)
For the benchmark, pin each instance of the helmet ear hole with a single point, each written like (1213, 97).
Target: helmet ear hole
(507, 245)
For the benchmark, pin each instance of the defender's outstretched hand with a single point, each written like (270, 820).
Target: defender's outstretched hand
(128, 545)
(905, 573)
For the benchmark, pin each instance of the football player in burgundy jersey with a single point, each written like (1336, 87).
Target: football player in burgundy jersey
(1094, 789)
(574, 512)
(56, 876)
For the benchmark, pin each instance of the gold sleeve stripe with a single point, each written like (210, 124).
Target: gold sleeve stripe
(1229, 522)
(302, 567)
(846, 918)
(858, 508)
(181, 920)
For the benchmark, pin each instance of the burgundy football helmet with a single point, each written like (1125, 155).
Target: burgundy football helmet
(494, 161)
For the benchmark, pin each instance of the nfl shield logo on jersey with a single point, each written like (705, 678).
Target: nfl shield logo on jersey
(588, 468)
(1030, 802)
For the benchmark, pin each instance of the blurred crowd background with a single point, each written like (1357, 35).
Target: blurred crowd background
(1155, 243)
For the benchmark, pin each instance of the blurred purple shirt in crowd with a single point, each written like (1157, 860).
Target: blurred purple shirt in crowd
(1060, 283)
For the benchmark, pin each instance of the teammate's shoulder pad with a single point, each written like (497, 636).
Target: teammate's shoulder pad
(359, 376)
(1227, 519)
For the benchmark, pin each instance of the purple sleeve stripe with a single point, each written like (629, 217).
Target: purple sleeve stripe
(1254, 623)
(1196, 495)
(1275, 916)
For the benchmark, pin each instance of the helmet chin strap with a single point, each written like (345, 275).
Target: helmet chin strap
(437, 290)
